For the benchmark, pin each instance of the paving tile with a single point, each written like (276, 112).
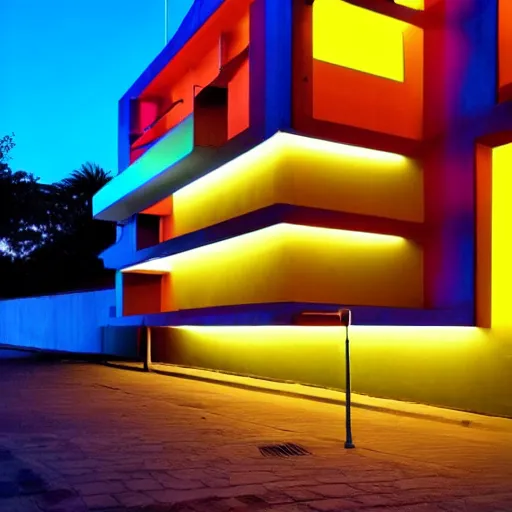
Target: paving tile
(255, 477)
(142, 485)
(60, 500)
(376, 500)
(333, 505)
(176, 496)
(300, 494)
(134, 499)
(216, 482)
(240, 490)
(277, 498)
(335, 490)
(178, 484)
(100, 502)
(92, 488)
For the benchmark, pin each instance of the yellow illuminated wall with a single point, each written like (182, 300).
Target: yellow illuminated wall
(305, 172)
(501, 260)
(419, 5)
(286, 263)
(353, 37)
(459, 367)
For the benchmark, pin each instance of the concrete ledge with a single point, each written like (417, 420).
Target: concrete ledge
(332, 396)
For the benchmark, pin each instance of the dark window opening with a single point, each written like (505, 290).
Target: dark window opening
(211, 117)
(148, 231)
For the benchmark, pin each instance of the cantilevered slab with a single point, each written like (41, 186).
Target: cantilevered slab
(173, 162)
(284, 313)
(119, 257)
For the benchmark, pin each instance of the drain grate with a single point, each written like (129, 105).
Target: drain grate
(283, 450)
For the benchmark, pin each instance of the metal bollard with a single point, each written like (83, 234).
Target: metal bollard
(345, 321)
(145, 336)
(147, 355)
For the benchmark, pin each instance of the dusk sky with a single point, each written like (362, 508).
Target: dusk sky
(64, 66)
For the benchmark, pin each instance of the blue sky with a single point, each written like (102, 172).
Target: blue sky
(64, 66)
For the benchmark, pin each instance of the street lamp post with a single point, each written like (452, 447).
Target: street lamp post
(345, 321)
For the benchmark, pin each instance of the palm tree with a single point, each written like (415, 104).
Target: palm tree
(83, 183)
(87, 180)
(74, 239)
(74, 198)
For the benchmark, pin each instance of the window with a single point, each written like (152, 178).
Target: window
(367, 70)
(148, 231)
(356, 38)
(419, 5)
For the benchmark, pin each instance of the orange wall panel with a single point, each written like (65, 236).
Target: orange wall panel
(163, 207)
(235, 40)
(349, 97)
(166, 227)
(141, 294)
(505, 49)
(166, 294)
(238, 101)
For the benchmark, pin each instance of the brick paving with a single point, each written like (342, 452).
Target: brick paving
(77, 437)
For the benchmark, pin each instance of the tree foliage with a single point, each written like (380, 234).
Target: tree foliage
(49, 239)
(20, 221)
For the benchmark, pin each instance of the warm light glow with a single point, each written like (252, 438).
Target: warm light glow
(263, 236)
(501, 281)
(306, 172)
(289, 140)
(353, 37)
(286, 263)
(458, 367)
(419, 5)
(406, 335)
(177, 144)
(278, 146)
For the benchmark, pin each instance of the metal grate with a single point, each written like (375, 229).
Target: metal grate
(283, 450)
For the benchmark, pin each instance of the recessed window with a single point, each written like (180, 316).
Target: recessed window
(353, 37)
(148, 231)
(142, 294)
(418, 5)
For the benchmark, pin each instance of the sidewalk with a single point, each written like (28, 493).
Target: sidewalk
(331, 396)
(86, 437)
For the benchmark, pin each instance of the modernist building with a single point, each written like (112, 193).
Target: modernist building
(289, 155)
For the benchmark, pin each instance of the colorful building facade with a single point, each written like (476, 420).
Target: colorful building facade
(280, 156)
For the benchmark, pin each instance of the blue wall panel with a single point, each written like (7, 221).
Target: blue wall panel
(68, 322)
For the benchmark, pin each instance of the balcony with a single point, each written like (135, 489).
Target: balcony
(193, 148)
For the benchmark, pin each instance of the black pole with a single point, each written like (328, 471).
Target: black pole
(348, 406)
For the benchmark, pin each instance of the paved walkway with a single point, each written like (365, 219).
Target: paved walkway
(77, 437)
(331, 396)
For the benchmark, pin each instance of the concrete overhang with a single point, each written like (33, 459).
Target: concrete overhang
(283, 314)
(173, 162)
